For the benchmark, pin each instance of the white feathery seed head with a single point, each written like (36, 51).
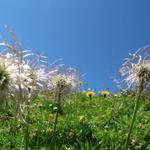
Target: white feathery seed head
(63, 79)
(137, 68)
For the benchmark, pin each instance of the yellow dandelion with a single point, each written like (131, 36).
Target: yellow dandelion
(81, 83)
(90, 94)
(105, 93)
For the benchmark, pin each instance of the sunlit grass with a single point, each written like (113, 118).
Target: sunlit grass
(42, 106)
(100, 123)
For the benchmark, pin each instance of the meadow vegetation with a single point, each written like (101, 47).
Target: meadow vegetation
(83, 123)
(42, 106)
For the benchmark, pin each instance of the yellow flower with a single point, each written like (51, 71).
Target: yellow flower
(49, 131)
(81, 83)
(90, 94)
(105, 93)
(81, 119)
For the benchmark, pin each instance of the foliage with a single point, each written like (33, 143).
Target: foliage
(100, 123)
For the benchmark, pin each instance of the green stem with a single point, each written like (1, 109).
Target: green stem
(132, 123)
(26, 137)
(56, 119)
(27, 129)
(140, 89)
(57, 112)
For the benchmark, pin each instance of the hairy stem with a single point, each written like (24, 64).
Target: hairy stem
(27, 129)
(140, 89)
(56, 119)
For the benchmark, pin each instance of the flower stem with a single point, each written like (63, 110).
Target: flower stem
(56, 120)
(140, 89)
(27, 130)
(132, 123)
(57, 112)
(53, 141)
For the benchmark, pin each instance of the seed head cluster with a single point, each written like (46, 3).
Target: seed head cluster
(24, 73)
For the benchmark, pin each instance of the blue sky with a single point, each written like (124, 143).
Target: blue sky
(91, 35)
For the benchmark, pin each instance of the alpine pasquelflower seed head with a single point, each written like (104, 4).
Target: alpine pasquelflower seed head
(4, 78)
(64, 80)
(62, 84)
(26, 71)
(136, 69)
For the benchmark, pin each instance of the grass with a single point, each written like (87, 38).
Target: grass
(83, 123)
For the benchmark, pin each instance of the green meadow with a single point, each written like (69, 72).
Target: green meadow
(99, 123)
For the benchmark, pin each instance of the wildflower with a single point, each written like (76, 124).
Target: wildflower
(136, 69)
(4, 78)
(62, 81)
(81, 83)
(49, 131)
(90, 94)
(105, 93)
(136, 73)
(81, 119)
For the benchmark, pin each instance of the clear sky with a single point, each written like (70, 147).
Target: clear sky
(91, 35)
